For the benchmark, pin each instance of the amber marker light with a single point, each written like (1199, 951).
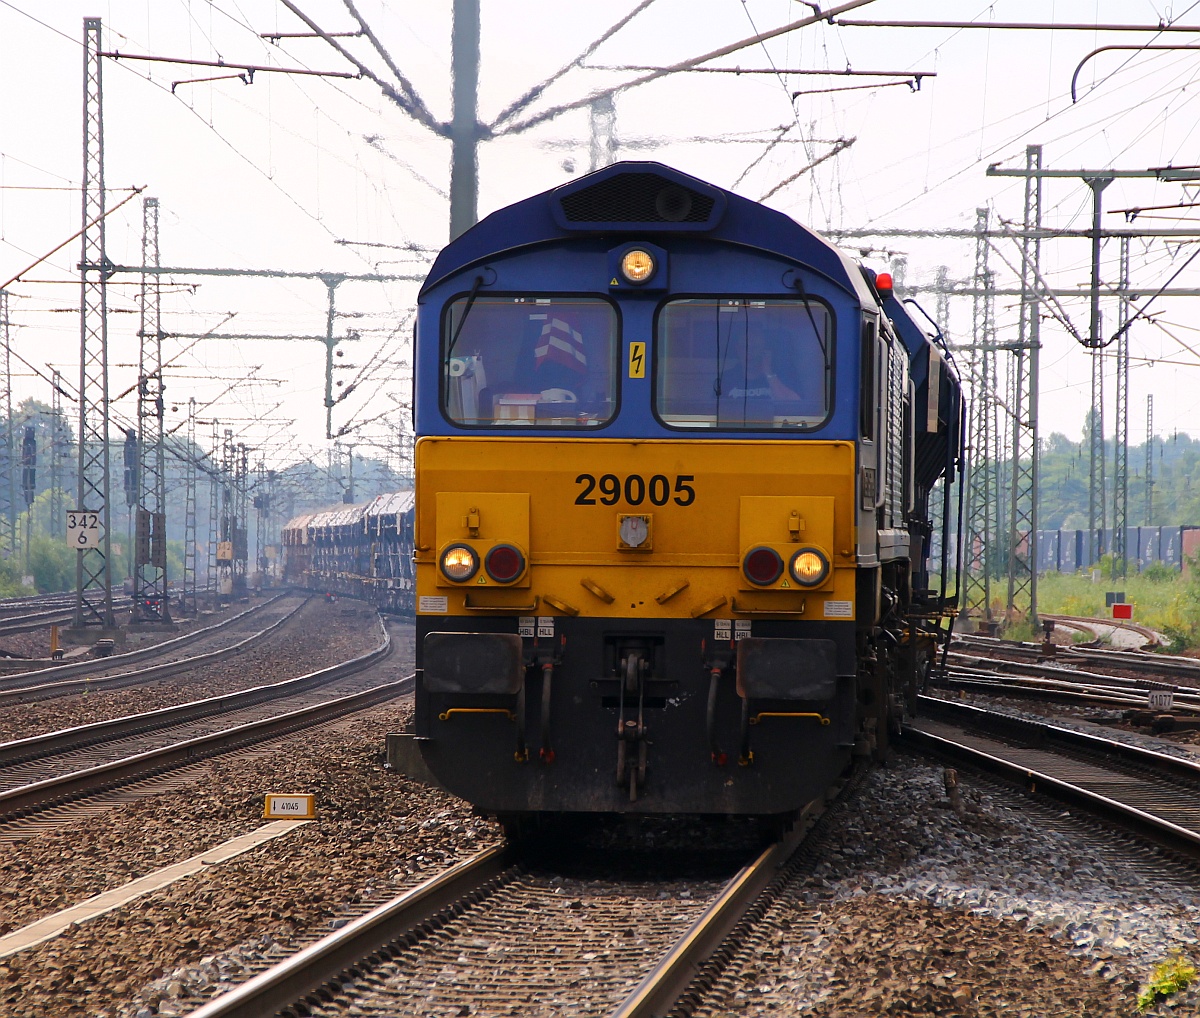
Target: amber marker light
(637, 265)
(459, 562)
(809, 567)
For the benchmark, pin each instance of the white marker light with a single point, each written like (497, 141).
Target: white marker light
(637, 265)
(459, 562)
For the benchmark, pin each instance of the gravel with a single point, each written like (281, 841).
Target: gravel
(304, 644)
(376, 834)
(1011, 908)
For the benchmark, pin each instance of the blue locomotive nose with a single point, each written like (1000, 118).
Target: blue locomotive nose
(676, 464)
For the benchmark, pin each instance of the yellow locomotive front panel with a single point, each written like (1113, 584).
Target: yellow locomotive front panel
(668, 623)
(641, 529)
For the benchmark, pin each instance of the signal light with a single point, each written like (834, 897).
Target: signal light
(504, 563)
(459, 562)
(762, 566)
(809, 567)
(883, 282)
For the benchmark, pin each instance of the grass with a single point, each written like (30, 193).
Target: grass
(1170, 976)
(1164, 601)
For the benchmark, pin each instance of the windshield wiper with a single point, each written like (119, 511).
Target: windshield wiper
(466, 311)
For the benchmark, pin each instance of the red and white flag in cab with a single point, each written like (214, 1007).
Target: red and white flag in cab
(560, 344)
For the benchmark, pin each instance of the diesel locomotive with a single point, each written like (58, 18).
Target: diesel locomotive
(675, 465)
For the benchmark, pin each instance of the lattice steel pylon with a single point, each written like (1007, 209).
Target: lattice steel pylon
(150, 603)
(214, 518)
(1150, 460)
(602, 134)
(941, 311)
(1023, 508)
(240, 475)
(1120, 547)
(8, 462)
(1096, 461)
(260, 502)
(187, 600)
(93, 573)
(228, 525)
(57, 451)
(981, 464)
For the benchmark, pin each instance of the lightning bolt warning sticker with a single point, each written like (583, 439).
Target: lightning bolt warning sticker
(637, 360)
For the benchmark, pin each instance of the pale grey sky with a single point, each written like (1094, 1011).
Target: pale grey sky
(273, 174)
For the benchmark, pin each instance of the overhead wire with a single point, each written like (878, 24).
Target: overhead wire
(809, 150)
(523, 102)
(543, 116)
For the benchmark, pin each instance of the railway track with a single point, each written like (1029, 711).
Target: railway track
(1067, 685)
(27, 614)
(88, 676)
(515, 937)
(42, 602)
(1185, 670)
(1154, 793)
(28, 622)
(1099, 628)
(41, 774)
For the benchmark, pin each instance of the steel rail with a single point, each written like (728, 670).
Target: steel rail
(1047, 733)
(1163, 664)
(968, 664)
(35, 620)
(1188, 711)
(1089, 623)
(301, 976)
(1173, 768)
(116, 660)
(298, 976)
(52, 599)
(1126, 693)
(26, 799)
(670, 978)
(22, 693)
(50, 743)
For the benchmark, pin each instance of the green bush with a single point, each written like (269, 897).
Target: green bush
(1159, 572)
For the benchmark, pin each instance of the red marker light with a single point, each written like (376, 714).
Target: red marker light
(504, 563)
(883, 282)
(762, 566)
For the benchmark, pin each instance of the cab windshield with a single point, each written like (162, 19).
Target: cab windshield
(529, 361)
(740, 363)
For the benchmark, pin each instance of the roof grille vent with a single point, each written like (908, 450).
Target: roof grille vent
(639, 200)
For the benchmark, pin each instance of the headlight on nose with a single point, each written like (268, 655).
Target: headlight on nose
(809, 567)
(459, 563)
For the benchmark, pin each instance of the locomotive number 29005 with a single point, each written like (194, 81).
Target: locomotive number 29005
(636, 489)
